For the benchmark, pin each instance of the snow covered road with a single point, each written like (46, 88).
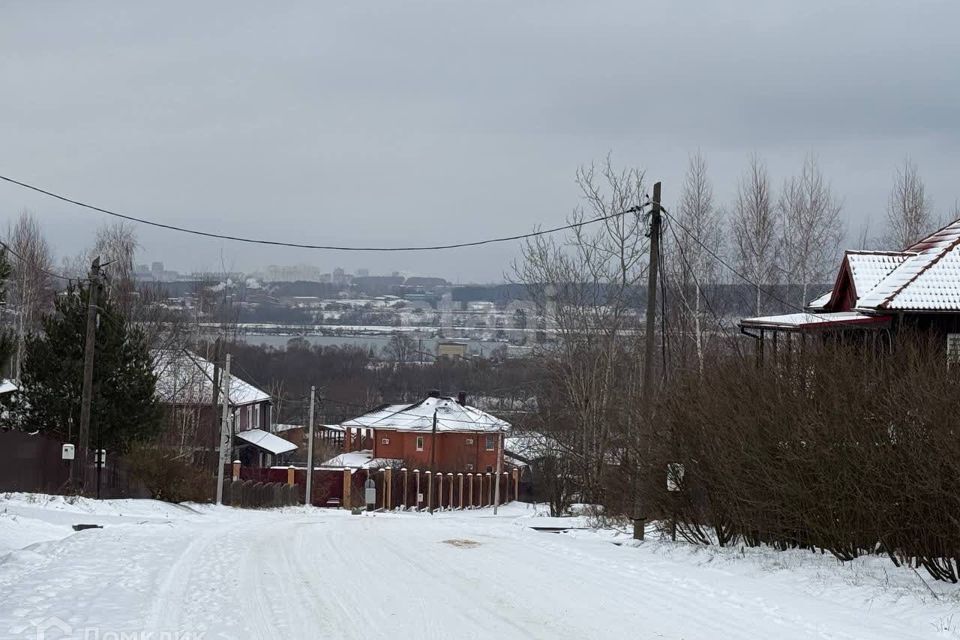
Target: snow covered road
(296, 573)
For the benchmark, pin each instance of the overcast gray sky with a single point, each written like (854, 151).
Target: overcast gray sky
(418, 122)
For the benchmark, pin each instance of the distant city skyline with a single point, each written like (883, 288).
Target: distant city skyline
(396, 123)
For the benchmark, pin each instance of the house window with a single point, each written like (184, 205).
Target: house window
(491, 442)
(419, 443)
(469, 441)
(384, 440)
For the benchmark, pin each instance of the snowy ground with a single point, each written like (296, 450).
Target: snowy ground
(206, 572)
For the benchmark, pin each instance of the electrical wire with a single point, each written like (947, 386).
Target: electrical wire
(23, 260)
(696, 282)
(727, 265)
(298, 245)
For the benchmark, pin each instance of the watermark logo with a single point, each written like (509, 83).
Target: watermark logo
(54, 628)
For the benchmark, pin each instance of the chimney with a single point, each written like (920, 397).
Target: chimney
(462, 398)
(434, 393)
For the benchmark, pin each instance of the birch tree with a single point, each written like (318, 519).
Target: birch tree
(31, 291)
(698, 240)
(755, 228)
(909, 210)
(811, 228)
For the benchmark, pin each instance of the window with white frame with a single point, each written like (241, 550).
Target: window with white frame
(419, 443)
(384, 440)
(491, 443)
(468, 441)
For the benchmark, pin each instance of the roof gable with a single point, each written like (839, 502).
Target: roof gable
(929, 280)
(185, 378)
(860, 272)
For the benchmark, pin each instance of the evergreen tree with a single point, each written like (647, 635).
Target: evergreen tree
(124, 406)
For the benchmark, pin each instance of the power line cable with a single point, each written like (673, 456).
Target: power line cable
(297, 245)
(23, 260)
(727, 265)
(696, 282)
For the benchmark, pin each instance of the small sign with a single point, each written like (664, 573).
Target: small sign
(674, 476)
(953, 348)
(419, 497)
(68, 452)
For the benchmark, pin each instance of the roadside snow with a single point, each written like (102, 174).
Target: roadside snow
(215, 572)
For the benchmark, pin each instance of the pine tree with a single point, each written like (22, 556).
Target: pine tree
(124, 408)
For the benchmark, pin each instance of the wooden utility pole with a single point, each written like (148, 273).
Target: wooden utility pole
(646, 437)
(225, 436)
(215, 433)
(656, 221)
(433, 459)
(89, 349)
(496, 491)
(308, 500)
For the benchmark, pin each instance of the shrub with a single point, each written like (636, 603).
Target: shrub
(169, 477)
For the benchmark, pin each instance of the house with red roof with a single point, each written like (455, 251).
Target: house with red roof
(881, 291)
(439, 433)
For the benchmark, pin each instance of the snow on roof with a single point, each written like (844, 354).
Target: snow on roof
(812, 320)
(185, 378)
(868, 268)
(821, 302)
(362, 459)
(279, 428)
(266, 441)
(451, 416)
(929, 280)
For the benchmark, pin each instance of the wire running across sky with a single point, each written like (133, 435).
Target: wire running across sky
(298, 245)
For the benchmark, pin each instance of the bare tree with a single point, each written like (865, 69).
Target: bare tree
(116, 244)
(755, 228)
(909, 216)
(587, 287)
(400, 348)
(31, 293)
(811, 229)
(698, 241)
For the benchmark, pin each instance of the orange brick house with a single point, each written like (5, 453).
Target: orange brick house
(443, 434)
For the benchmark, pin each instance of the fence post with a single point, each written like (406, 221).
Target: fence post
(236, 469)
(489, 489)
(440, 491)
(416, 502)
(383, 488)
(505, 496)
(479, 489)
(388, 489)
(290, 475)
(460, 479)
(516, 484)
(470, 501)
(347, 489)
(450, 482)
(404, 471)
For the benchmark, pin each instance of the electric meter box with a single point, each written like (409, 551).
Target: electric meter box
(68, 452)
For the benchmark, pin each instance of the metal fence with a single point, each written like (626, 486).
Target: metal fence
(31, 462)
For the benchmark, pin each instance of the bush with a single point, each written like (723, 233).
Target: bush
(169, 477)
(843, 447)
